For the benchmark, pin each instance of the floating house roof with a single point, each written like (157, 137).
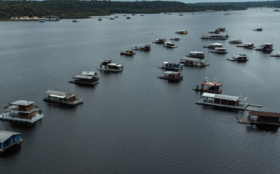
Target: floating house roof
(220, 96)
(4, 135)
(58, 94)
(196, 52)
(265, 114)
(88, 73)
(83, 77)
(22, 103)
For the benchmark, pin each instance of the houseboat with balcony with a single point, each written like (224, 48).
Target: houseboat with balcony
(266, 47)
(108, 66)
(181, 32)
(146, 47)
(127, 52)
(170, 45)
(51, 18)
(193, 62)
(159, 41)
(86, 78)
(175, 38)
(275, 55)
(239, 58)
(214, 36)
(9, 139)
(223, 101)
(210, 87)
(62, 98)
(171, 66)
(235, 41)
(172, 76)
(219, 50)
(247, 45)
(261, 119)
(213, 46)
(21, 111)
(196, 54)
(258, 29)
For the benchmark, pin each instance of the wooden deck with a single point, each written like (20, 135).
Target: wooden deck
(8, 117)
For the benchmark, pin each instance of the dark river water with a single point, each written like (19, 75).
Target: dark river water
(133, 122)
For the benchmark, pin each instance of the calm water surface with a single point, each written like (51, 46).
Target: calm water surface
(133, 122)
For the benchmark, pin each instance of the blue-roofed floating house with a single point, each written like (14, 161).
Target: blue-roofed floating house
(171, 66)
(9, 139)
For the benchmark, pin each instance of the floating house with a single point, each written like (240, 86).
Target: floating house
(213, 46)
(62, 98)
(9, 139)
(210, 87)
(172, 76)
(108, 66)
(21, 111)
(175, 38)
(214, 36)
(266, 47)
(193, 62)
(127, 52)
(87, 78)
(181, 32)
(196, 54)
(235, 41)
(219, 50)
(160, 41)
(258, 29)
(171, 66)
(247, 45)
(146, 47)
(260, 118)
(239, 58)
(170, 45)
(223, 101)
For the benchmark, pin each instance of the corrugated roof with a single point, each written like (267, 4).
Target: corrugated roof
(265, 114)
(4, 135)
(22, 103)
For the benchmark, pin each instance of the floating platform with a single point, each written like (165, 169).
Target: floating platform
(8, 117)
(83, 83)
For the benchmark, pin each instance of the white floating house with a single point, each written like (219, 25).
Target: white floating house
(62, 98)
(9, 139)
(22, 111)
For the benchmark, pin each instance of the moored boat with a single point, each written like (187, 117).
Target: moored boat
(266, 47)
(193, 62)
(196, 54)
(62, 98)
(75, 21)
(108, 66)
(127, 52)
(171, 66)
(217, 31)
(170, 45)
(175, 38)
(239, 58)
(275, 55)
(258, 29)
(159, 41)
(86, 78)
(213, 46)
(172, 76)
(181, 32)
(99, 19)
(214, 36)
(51, 18)
(210, 87)
(146, 47)
(219, 50)
(247, 45)
(235, 41)
(222, 29)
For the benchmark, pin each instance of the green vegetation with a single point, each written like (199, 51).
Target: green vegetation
(84, 9)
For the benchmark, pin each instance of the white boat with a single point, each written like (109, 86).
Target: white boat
(193, 62)
(171, 66)
(235, 41)
(219, 50)
(181, 32)
(224, 101)
(172, 76)
(266, 47)
(170, 45)
(175, 38)
(196, 54)
(239, 58)
(214, 36)
(106, 65)
(51, 18)
(213, 46)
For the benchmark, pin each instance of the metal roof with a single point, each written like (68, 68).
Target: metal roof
(22, 103)
(217, 44)
(165, 62)
(88, 73)
(171, 72)
(55, 93)
(4, 135)
(196, 52)
(220, 96)
(265, 114)
(83, 77)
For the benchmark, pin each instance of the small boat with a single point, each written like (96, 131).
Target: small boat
(215, 36)
(87, 78)
(235, 41)
(112, 18)
(75, 21)
(41, 21)
(222, 29)
(275, 55)
(213, 46)
(217, 31)
(143, 48)
(258, 29)
(170, 45)
(219, 51)
(226, 14)
(99, 19)
(266, 47)
(133, 14)
(172, 76)
(108, 66)
(171, 66)
(181, 32)
(127, 17)
(239, 58)
(127, 52)
(247, 45)
(193, 62)
(210, 87)
(175, 38)
(159, 41)
(276, 10)
(196, 54)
